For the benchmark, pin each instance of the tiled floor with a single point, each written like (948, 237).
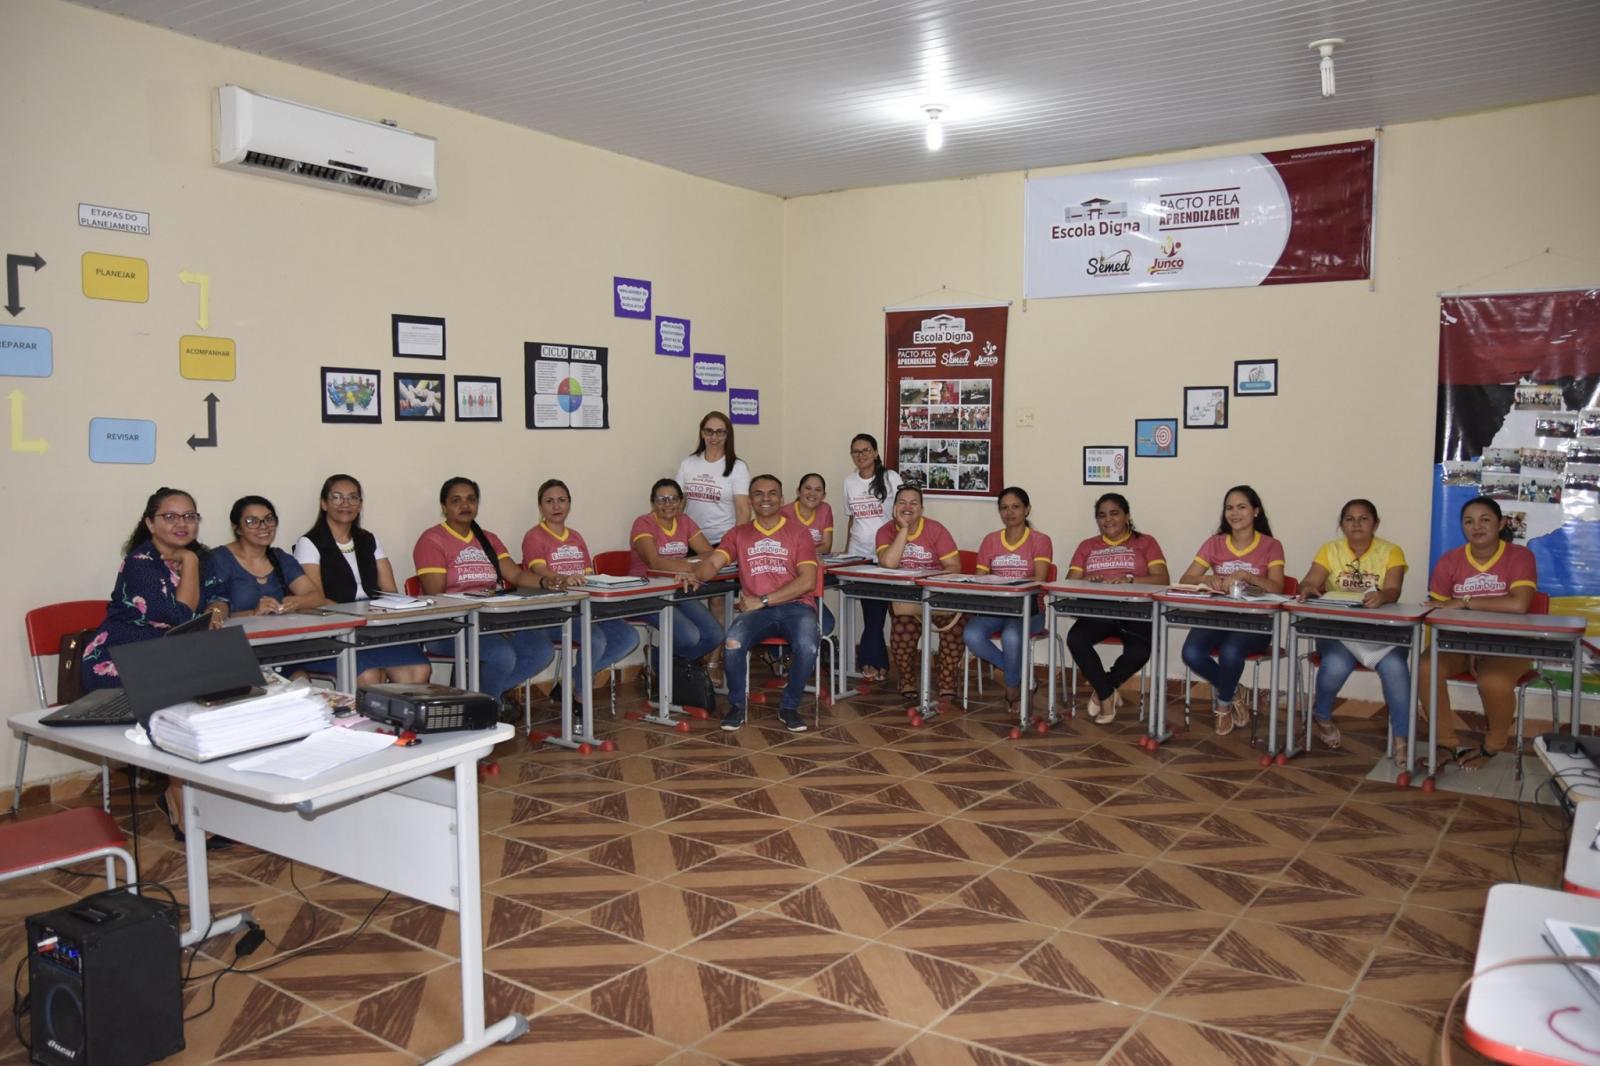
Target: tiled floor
(871, 893)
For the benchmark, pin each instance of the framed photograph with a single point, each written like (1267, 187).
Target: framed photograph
(351, 395)
(419, 397)
(1155, 438)
(1105, 464)
(1255, 377)
(417, 336)
(477, 399)
(1205, 407)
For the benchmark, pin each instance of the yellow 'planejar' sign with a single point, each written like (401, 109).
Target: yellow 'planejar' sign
(207, 358)
(115, 277)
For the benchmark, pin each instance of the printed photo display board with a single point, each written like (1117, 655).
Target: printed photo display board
(946, 381)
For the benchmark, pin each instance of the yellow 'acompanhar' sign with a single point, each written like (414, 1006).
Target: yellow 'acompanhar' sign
(207, 358)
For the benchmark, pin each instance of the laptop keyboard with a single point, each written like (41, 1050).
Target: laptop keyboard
(113, 711)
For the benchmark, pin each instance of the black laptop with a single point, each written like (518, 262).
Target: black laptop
(190, 662)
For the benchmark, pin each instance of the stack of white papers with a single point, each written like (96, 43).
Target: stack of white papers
(201, 733)
(316, 754)
(394, 602)
(610, 581)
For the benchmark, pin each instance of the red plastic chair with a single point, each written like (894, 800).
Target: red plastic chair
(55, 840)
(46, 626)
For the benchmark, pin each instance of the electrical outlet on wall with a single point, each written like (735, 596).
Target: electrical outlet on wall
(1024, 416)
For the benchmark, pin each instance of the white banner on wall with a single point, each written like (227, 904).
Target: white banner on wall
(1270, 218)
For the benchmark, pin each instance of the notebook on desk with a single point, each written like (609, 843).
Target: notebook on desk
(1344, 599)
(191, 662)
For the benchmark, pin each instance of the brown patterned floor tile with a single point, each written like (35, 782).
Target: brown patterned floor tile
(566, 957)
(726, 825)
(1380, 873)
(793, 1029)
(663, 916)
(651, 854)
(1103, 969)
(1088, 786)
(1172, 800)
(766, 766)
(1208, 889)
(1420, 824)
(423, 1015)
(638, 769)
(1303, 907)
(280, 873)
(572, 1037)
(844, 781)
(922, 873)
(770, 947)
(1031, 897)
(975, 775)
(246, 1010)
(565, 885)
(930, 1050)
(893, 762)
(1231, 851)
(1123, 835)
(708, 785)
(828, 747)
(787, 801)
(675, 999)
(880, 821)
(1385, 794)
(1375, 1033)
(853, 907)
(1039, 1024)
(1163, 1041)
(1282, 951)
(702, 751)
(1157, 926)
(439, 929)
(290, 921)
(922, 794)
(1490, 823)
(1071, 862)
(644, 807)
(741, 877)
(979, 842)
(1459, 876)
(868, 734)
(888, 982)
(1256, 1005)
(365, 963)
(570, 789)
(1442, 934)
(325, 1040)
(498, 808)
(960, 934)
(816, 848)
(566, 830)
(1423, 981)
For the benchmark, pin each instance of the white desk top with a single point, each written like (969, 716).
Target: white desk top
(441, 607)
(1109, 590)
(1576, 777)
(1520, 1014)
(390, 766)
(271, 628)
(870, 572)
(1384, 615)
(653, 586)
(953, 583)
(1554, 625)
(1219, 603)
(512, 602)
(1582, 871)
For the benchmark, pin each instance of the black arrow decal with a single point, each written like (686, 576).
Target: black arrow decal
(210, 439)
(13, 261)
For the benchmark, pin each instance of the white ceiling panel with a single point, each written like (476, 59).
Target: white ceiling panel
(804, 96)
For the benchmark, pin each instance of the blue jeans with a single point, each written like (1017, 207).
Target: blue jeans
(979, 635)
(1230, 648)
(797, 623)
(1394, 673)
(609, 642)
(505, 660)
(695, 630)
(873, 651)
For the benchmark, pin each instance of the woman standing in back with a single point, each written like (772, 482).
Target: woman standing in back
(867, 492)
(716, 482)
(810, 509)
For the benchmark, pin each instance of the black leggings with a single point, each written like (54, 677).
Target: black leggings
(1087, 632)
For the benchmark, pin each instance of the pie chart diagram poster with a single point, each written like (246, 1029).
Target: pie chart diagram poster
(565, 386)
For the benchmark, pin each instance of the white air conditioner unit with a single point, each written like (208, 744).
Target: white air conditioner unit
(282, 139)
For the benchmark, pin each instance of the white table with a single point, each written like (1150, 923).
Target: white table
(383, 819)
(447, 616)
(1534, 1015)
(1576, 777)
(1104, 600)
(949, 592)
(514, 612)
(1581, 874)
(1186, 610)
(600, 603)
(299, 637)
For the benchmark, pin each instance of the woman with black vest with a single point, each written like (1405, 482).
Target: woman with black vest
(349, 564)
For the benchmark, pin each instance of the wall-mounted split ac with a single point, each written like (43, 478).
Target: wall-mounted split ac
(282, 139)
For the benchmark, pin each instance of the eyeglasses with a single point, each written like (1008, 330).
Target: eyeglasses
(172, 518)
(666, 499)
(253, 521)
(713, 433)
(862, 451)
(344, 497)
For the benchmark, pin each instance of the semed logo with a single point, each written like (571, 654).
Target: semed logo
(961, 358)
(1120, 262)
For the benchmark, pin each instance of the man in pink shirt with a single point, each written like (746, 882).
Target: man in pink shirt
(777, 583)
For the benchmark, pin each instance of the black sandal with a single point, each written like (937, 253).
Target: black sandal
(1472, 758)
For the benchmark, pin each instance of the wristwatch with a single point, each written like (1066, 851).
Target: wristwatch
(763, 601)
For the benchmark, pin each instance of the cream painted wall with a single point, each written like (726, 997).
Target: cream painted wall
(1471, 201)
(521, 245)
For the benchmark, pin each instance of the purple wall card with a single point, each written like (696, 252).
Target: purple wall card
(744, 407)
(672, 336)
(710, 372)
(630, 298)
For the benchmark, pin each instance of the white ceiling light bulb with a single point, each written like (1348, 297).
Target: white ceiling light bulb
(1327, 46)
(934, 134)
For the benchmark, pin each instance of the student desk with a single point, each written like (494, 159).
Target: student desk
(1397, 625)
(1540, 637)
(1076, 598)
(383, 819)
(1581, 874)
(868, 582)
(1530, 1014)
(1576, 778)
(444, 617)
(287, 639)
(512, 613)
(600, 604)
(1191, 611)
(960, 593)
(723, 585)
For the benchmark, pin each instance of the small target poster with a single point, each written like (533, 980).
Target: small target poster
(565, 386)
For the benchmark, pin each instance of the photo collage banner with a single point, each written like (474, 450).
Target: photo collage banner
(945, 386)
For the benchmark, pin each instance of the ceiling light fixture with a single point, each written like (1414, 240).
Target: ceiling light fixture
(934, 134)
(1327, 46)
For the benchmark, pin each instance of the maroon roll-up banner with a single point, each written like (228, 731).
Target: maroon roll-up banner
(945, 385)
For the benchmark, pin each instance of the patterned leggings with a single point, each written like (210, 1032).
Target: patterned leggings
(905, 635)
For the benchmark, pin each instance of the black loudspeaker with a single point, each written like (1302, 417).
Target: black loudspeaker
(105, 982)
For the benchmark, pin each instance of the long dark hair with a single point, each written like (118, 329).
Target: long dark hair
(1022, 496)
(338, 583)
(802, 483)
(1359, 502)
(1122, 502)
(729, 455)
(1506, 532)
(880, 485)
(1263, 526)
(236, 512)
(141, 532)
(477, 530)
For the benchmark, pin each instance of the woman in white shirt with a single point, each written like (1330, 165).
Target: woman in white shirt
(347, 564)
(867, 492)
(716, 482)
